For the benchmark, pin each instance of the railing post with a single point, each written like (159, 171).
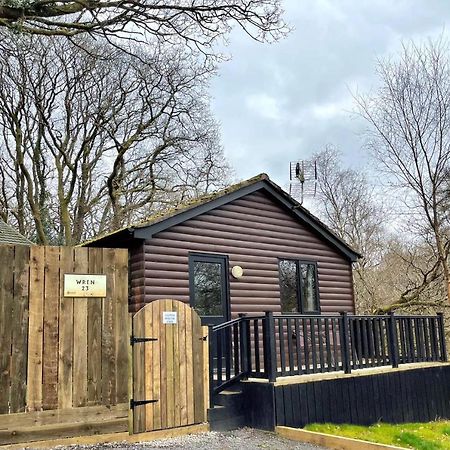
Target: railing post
(211, 342)
(443, 345)
(393, 340)
(244, 343)
(270, 352)
(345, 342)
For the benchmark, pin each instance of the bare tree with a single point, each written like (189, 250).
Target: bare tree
(93, 141)
(409, 117)
(349, 205)
(197, 23)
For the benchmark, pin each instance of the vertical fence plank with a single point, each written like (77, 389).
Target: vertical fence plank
(189, 369)
(6, 325)
(20, 330)
(65, 334)
(109, 305)
(94, 311)
(35, 329)
(157, 367)
(80, 328)
(139, 372)
(120, 326)
(176, 363)
(51, 334)
(147, 347)
(182, 356)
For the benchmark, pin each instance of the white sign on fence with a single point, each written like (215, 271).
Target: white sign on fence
(76, 285)
(169, 317)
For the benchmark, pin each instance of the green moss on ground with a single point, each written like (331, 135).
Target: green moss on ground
(420, 436)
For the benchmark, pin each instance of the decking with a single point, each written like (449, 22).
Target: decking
(272, 346)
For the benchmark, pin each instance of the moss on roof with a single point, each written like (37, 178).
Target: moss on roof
(170, 212)
(186, 206)
(8, 235)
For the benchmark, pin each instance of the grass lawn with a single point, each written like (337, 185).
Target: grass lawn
(421, 436)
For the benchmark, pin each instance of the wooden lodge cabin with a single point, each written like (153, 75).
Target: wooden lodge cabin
(274, 285)
(248, 249)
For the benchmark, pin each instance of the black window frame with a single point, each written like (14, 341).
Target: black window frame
(212, 258)
(298, 262)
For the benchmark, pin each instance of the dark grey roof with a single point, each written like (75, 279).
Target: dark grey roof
(8, 235)
(152, 225)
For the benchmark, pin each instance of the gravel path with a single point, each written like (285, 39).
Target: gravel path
(243, 439)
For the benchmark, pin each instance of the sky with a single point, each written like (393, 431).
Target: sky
(281, 102)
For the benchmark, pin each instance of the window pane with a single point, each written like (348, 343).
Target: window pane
(288, 286)
(308, 284)
(208, 288)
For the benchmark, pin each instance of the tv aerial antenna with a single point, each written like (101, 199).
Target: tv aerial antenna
(303, 179)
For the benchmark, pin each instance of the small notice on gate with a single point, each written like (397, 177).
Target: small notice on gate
(84, 285)
(169, 317)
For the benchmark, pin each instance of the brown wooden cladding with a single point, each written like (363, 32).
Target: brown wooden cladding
(254, 231)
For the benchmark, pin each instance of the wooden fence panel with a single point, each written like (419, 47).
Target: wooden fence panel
(60, 352)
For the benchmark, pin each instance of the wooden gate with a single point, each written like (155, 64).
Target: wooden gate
(170, 367)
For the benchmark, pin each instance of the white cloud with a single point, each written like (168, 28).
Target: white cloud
(282, 102)
(331, 110)
(264, 105)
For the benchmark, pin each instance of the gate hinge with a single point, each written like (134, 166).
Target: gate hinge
(134, 340)
(204, 338)
(134, 403)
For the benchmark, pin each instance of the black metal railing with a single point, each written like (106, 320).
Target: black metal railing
(270, 346)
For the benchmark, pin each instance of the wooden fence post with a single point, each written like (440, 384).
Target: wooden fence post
(393, 340)
(345, 342)
(270, 352)
(442, 336)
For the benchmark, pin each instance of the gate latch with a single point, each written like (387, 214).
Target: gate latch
(135, 340)
(203, 338)
(134, 403)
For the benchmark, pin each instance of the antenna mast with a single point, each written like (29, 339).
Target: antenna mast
(302, 179)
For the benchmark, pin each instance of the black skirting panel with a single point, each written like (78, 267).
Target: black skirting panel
(259, 405)
(417, 395)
